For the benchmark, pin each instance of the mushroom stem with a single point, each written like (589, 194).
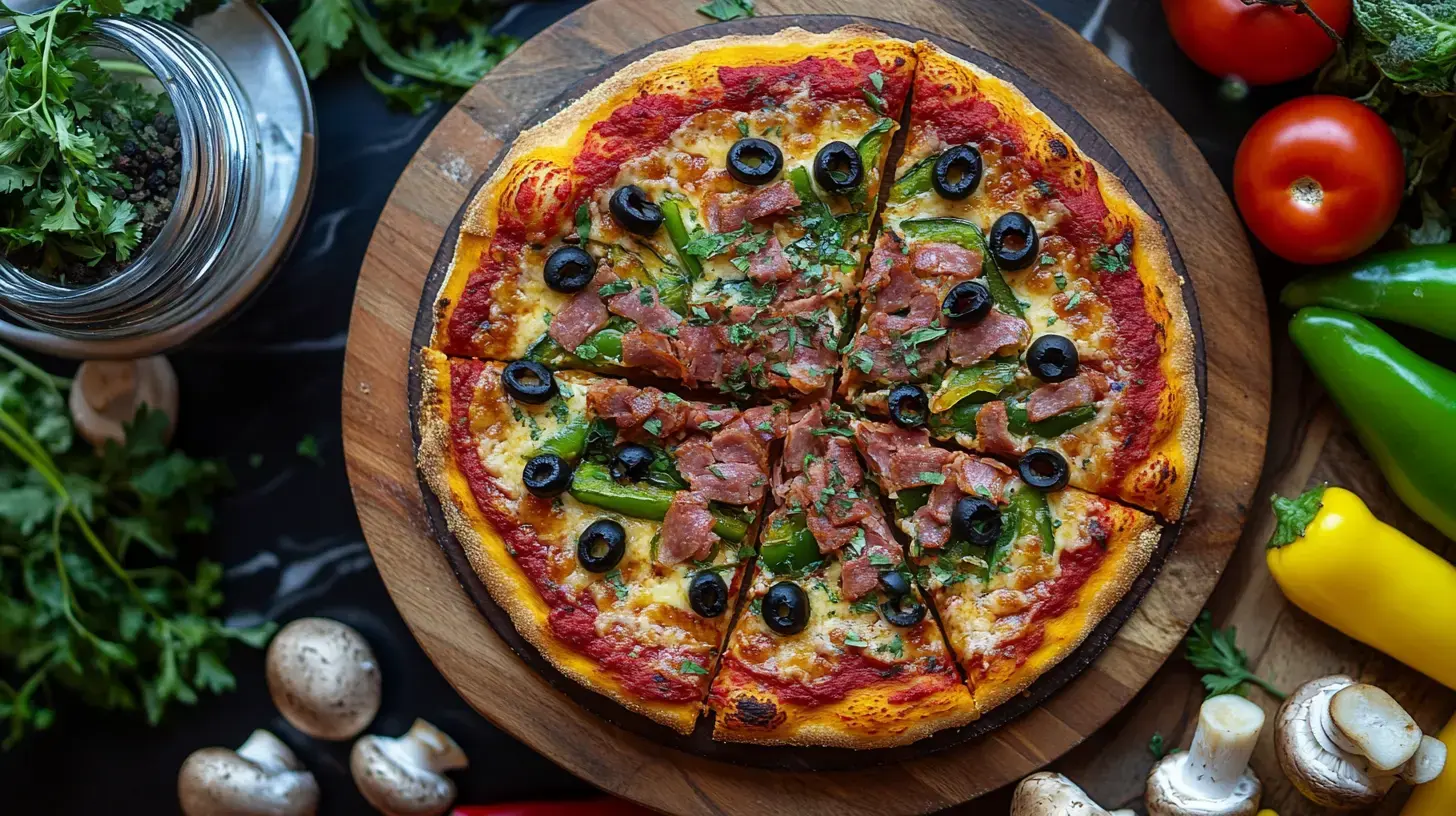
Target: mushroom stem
(268, 752)
(1051, 794)
(1228, 730)
(425, 746)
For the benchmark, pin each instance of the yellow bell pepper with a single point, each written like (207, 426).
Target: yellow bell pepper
(1266, 812)
(1336, 561)
(1437, 797)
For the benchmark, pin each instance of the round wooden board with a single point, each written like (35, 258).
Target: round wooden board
(494, 680)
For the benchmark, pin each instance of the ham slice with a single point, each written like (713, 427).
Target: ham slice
(932, 521)
(624, 405)
(946, 261)
(728, 482)
(1059, 398)
(770, 200)
(997, 334)
(857, 578)
(898, 456)
(580, 318)
(992, 433)
(648, 312)
(900, 291)
(979, 477)
(801, 440)
(651, 351)
(699, 346)
(769, 264)
(687, 529)
(885, 261)
(724, 211)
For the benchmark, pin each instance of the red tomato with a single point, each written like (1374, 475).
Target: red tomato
(1262, 44)
(1319, 179)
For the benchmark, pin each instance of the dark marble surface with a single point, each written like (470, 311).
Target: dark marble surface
(289, 535)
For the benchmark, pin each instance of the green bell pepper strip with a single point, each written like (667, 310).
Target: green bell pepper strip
(981, 382)
(1403, 406)
(1053, 426)
(677, 233)
(1010, 531)
(963, 233)
(604, 348)
(910, 499)
(567, 441)
(804, 189)
(960, 419)
(1415, 286)
(1035, 516)
(915, 181)
(592, 484)
(872, 144)
(788, 546)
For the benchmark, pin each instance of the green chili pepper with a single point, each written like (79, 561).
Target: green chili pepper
(1403, 406)
(1415, 286)
(1049, 427)
(966, 234)
(981, 382)
(677, 232)
(567, 441)
(788, 546)
(915, 181)
(592, 484)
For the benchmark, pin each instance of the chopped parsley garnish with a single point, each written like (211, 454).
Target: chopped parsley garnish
(691, 667)
(895, 648)
(932, 478)
(614, 579)
(742, 127)
(879, 559)
(1074, 300)
(877, 79)
(1061, 281)
(862, 361)
(583, 222)
(709, 425)
(653, 426)
(616, 287)
(853, 639)
(864, 605)
(1116, 258)
(1046, 260)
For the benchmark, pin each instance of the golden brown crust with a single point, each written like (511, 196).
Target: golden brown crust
(509, 586)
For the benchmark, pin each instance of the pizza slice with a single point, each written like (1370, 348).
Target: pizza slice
(701, 218)
(835, 645)
(611, 522)
(1018, 575)
(1019, 298)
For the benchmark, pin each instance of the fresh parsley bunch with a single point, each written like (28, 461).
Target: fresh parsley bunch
(96, 604)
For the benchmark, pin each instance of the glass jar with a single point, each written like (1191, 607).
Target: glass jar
(245, 178)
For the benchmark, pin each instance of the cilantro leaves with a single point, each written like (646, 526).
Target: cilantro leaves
(727, 9)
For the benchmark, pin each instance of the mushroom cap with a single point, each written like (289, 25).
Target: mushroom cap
(323, 677)
(1376, 725)
(106, 394)
(1167, 796)
(1314, 764)
(1051, 794)
(263, 777)
(1428, 762)
(403, 776)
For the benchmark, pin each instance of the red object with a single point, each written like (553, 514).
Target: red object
(1260, 43)
(1319, 179)
(604, 806)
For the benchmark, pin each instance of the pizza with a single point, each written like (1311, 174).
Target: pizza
(739, 419)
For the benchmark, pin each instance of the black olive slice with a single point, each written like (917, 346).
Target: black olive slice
(569, 269)
(634, 211)
(1014, 243)
(546, 475)
(529, 382)
(908, 406)
(1052, 358)
(976, 520)
(631, 463)
(1043, 469)
(967, 303)
(957, 173)
(895, 583)
(754, 161)
(601, 546)
(786, 608)
(708, 594)
(838, 168)
(903, 610)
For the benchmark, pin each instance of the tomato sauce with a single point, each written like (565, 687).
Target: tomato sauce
(1076, 567)
(852, 671)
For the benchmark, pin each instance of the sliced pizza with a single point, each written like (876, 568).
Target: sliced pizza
(1019, 575)
(1019, 298)
(701, 218)
(611, 522)
(835, 645)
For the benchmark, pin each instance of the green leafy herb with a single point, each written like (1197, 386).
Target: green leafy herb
(1158, 747)
(94, 604)
(614, 580)
(691, 667)
(1216, 651)
(864, 605)
(727, 9)
(877, 79)
(895, 648)
(1115, 259)
(932, 478)
(653, 426)
(583, 222)
(615, 287)
(308, 448)
(853, 639)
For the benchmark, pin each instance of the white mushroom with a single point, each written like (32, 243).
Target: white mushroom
(108, 393)
(1051, 794)
(262, 777)
(323, 677)
(1213, 777)
(1344, 744)
(405, 776)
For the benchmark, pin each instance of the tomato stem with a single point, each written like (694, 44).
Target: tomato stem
(1300, 7)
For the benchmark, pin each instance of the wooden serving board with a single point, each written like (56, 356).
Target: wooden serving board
(632, 763)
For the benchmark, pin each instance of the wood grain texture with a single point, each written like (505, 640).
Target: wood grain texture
(496, 682)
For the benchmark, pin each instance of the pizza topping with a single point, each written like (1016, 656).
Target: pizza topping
(771, 200)
(631, 463)
(643, 307)
(903, 610)
(992, 432)
(1052, 358)
(769, 264)
(998, 333)
(908, 406)
(687, 529)
(957, 172)
(729, 482)
(708, 594)
(1013, 241)
(980, 477)
(975, 520)
(601, 546)
(528, 381)
(887, 259)
(546, 475)
(945, 260)
(858, 577)
(754, 161)
(1059, 398)
(967, 303)
(651, 351)
(786, 608)
(1043, 469)
(582, 316)
(900, 458)
(838, 168)
(634, 211)
(569, 269)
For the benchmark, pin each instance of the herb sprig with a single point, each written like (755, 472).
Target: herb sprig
(1217, 652)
